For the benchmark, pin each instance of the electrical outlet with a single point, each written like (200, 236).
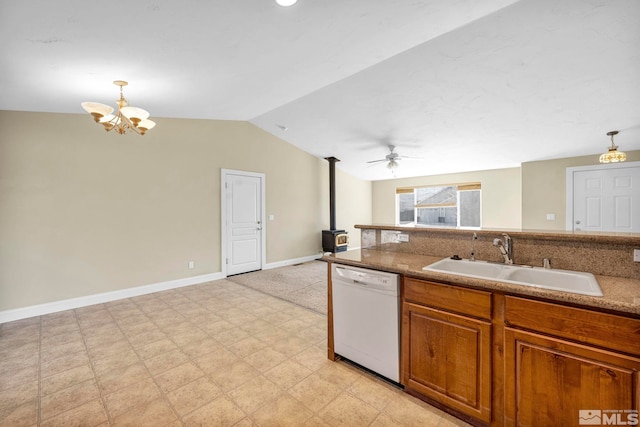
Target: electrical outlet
(191, 264)
(636, 255)
(403, 237)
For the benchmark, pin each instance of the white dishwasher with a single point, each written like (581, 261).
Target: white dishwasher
(366, 318)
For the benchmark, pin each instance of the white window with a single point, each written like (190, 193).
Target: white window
(454, 206)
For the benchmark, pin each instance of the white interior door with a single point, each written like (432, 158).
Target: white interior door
(244, 221)
(606, 199)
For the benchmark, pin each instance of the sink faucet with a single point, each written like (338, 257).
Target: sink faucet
(506, 248)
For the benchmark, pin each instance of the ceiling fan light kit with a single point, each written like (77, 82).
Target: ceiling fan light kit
(392, 159)
(126, 119)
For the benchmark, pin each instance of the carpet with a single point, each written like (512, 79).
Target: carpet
(303, 284)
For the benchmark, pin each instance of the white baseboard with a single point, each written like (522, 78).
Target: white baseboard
(287, 262)
(68, 304)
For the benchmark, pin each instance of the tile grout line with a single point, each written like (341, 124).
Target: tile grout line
(92, 364)
(227, 393)
(191, 359)
(162, 393)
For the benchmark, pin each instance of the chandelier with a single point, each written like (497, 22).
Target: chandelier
(613, 155)
(126, 119)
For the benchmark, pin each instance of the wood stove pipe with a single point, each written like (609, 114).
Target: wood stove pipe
(332, 191)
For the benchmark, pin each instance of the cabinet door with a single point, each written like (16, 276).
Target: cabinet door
(549, 381)
(446, 357)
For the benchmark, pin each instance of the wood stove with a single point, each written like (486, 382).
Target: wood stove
(333, 240)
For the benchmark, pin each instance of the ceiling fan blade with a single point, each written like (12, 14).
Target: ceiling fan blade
(378, 161)
(409, 158)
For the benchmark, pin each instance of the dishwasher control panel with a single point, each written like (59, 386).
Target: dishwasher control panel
(371, 278)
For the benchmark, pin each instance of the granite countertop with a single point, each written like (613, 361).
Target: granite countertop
(620, 294)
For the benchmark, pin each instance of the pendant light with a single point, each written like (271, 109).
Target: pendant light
(613, 155)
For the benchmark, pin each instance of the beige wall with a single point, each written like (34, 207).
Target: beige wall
(544, 190)
(353, 204)
(84, 212)
(501, 200)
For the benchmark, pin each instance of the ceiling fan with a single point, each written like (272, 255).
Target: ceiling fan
(392, 158)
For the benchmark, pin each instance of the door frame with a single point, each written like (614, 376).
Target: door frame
(569, 183)
(224, 173)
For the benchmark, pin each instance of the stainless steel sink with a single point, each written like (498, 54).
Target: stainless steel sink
(558, 280)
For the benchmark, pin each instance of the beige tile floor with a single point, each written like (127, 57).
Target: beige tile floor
(212, 354)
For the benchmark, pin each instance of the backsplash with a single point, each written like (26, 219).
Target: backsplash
(593, 253)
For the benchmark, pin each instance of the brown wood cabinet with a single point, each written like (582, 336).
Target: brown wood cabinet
(550, 380)
(504, 360)
(590, 362)
(446, 346)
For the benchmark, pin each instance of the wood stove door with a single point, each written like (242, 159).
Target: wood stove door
(244, 223)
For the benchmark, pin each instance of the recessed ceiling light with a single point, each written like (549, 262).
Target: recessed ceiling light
(286, 3)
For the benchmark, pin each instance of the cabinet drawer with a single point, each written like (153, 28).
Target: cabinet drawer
(447, 297)
(605, 330)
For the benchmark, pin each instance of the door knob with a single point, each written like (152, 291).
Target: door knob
(577, 221)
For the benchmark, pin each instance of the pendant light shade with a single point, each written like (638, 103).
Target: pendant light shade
(134, 114)
(613, 155)
(97, 110)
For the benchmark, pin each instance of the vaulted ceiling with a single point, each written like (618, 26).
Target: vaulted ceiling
(460, 84)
